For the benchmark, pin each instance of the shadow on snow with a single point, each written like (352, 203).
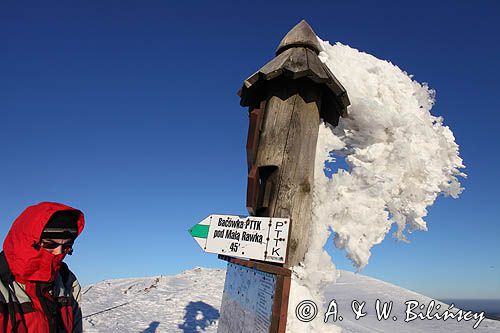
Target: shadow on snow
(152, 327)
(198, 315)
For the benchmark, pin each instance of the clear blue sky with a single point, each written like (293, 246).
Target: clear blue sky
(128, 111)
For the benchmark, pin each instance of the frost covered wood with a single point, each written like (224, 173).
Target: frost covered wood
(297, 89)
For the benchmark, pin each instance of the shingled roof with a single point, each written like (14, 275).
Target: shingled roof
(296, 58)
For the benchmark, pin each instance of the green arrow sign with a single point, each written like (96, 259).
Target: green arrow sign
(199, 230)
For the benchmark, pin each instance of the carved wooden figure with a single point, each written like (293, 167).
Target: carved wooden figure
(286, 99)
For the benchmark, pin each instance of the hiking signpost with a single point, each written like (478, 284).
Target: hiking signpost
(286, 98)
(261, 238)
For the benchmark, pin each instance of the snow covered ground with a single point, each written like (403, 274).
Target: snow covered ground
(190, 302)
(187, 302)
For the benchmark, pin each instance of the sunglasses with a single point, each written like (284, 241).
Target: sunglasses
(50, 245)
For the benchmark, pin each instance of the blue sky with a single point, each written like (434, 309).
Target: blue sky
(128, 111)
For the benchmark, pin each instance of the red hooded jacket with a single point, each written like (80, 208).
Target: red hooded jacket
(37, 291)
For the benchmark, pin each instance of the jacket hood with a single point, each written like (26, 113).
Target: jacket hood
(28, 262)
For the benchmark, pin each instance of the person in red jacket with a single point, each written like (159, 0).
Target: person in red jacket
(38, 293)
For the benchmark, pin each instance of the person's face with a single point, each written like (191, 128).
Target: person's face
(57, 246)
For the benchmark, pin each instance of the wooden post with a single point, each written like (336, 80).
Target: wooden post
(286, 99)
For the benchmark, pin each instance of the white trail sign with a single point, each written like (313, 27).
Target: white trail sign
(251, 237)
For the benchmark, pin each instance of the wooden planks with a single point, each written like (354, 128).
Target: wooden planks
(287, 97)
(253, 190)
(289, 141)
(302, 34)
(261, 266)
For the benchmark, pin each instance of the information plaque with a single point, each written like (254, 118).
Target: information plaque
(252, 301)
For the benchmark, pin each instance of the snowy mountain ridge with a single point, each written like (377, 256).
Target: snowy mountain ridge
(190, 302)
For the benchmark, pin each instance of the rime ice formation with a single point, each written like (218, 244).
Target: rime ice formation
(400, 159)
(401, 156)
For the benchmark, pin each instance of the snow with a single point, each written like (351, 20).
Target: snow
(401, 156)
(190, 302)
(400, 159)
(351, 286)
(182, 303)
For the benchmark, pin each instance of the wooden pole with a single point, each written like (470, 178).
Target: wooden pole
(286, 99)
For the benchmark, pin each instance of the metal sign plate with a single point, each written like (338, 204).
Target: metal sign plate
(261, 238)
(247, 302)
